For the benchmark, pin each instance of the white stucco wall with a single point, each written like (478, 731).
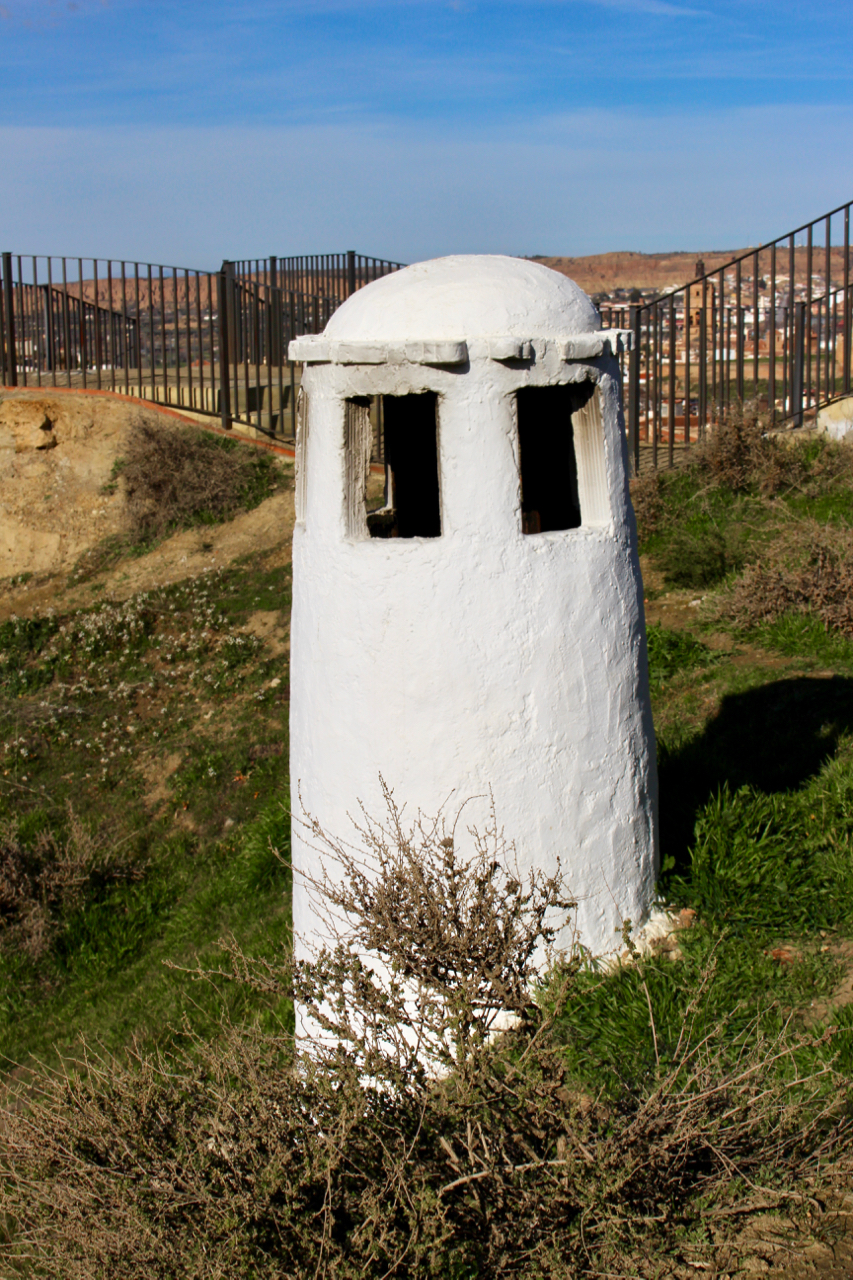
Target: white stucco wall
(484, 658)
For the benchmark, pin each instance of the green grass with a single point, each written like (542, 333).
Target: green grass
(704, 531)
(766, 871)
(673, 652)
(802, 635)
(756, 796)
(755, 758)
(145, 716)
(166, 727)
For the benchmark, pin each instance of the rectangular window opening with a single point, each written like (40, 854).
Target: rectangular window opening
(407, 442)
(550, 497)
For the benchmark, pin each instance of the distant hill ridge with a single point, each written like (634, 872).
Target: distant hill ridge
(604, 272)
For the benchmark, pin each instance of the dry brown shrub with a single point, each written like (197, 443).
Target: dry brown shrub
(648, 502)
(175, 477)
(742, 452)
(739, 454)
(46, 878)
(808, 569)
(406, 1140)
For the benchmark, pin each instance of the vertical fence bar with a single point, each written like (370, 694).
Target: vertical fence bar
(703, 361)
(10, 361)
(34, 326)
(139, 328)
(739, 334)
(176, 330)
(212, 338)
(720, 369)
(654, 387)
(84, 355)
(163, 348)
(273, 344)
(671, 397)
(111, 342)
(125, 329)
(151, 339)
(21, 328)
(188, 305)
(786, 372)
(799, 353)
(792, 320)
(808, 317)
(199, 326)
(755, 369)
(224, 349)
(634, 392)
(828, 280)
(66, 324)
(292, 333)
(834, 384)
(99, 354)
(50, 315)
(771, 338)
(687, 326)
(845, 353)
(817, 357)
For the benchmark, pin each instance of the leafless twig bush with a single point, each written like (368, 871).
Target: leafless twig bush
(808, 568)
(45, 878)
(179, 476)
(407, 1140)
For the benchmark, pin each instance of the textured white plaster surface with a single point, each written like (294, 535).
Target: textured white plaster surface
(484, 658)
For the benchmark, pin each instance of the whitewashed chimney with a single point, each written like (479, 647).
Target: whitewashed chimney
(486, 630)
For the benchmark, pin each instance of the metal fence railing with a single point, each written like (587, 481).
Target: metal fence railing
(771, 326)
(211, 343)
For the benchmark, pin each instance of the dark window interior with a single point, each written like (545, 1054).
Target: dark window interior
(549, 472)
(410, 451)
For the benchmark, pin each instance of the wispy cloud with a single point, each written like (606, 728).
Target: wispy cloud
(696, 181)
(47, 13)
(660, 7)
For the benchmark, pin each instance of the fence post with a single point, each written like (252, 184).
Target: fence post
(350, 272)
(224, 351)
(797, 389)
(634, 392)
(8, 335)
(2, 335)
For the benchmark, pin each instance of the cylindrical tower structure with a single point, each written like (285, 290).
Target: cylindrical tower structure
(483, 631)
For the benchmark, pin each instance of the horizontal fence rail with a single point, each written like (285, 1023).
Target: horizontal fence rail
(770, 328)
(208, 343)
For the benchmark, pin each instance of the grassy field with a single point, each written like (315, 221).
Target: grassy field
(144, 806)
(144, 750)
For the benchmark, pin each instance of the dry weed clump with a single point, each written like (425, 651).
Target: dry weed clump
(176, 477)
(808, 569)
(648, 502)
(44, 879)
(737, 451)
(741, 453)
(407, 1140)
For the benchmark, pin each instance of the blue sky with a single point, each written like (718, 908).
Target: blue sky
(187, 132)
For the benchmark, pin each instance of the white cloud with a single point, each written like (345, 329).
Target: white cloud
(582, 182)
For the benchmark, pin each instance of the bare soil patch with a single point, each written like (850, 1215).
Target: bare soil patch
(60, 504)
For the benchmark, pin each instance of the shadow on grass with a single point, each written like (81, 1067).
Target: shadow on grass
(773, 738)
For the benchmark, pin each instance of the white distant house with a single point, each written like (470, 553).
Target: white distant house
(484, 631)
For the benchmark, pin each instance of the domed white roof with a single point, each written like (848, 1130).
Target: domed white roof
(462, 297)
